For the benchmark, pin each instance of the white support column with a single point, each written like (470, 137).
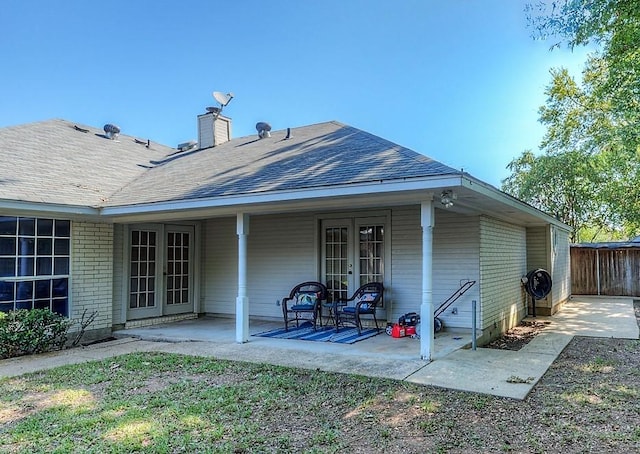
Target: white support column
(242, 300)
(427, 220)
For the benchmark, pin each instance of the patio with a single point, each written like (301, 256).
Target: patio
(222, 331)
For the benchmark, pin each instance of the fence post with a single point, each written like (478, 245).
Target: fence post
(598, 270)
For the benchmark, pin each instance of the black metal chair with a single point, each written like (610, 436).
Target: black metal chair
(364, 301)
(304, 303)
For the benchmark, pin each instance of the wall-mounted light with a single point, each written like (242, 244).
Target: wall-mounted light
(447, 197)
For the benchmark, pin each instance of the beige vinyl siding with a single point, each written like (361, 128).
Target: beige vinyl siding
(92, 273)
(281, 252)
(538, 247)
(548, 248)
(503, 262)
(561, 266)
(219, 282)
(456, 258)
(119, 278)
(405, 290)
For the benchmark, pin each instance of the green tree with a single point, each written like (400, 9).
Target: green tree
(589, 169)
(561, 185)
(614, 26)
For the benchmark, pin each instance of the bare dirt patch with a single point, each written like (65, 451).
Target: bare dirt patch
(518, 336)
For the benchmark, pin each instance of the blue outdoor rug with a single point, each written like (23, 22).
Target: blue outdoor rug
(321, 334)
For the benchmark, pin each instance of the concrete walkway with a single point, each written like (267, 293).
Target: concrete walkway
(489, 371)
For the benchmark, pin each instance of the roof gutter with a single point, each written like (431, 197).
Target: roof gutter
(352, 189)
(43, 208)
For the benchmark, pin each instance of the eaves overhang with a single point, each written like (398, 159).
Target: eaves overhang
(492, 193)
(474, 197)
(254, 201)
(29, 208)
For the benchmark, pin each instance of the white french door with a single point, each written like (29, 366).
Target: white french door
(144, 281)
(160, 271)
(178, 297)
(337, 258)
(354, 252)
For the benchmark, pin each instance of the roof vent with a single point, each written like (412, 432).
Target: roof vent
(263, 129)
(187, 146)
(111, 131)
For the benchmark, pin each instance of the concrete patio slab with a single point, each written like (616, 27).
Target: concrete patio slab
(502, 373)
(594, 316)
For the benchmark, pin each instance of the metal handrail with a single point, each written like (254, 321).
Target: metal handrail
(457, 294)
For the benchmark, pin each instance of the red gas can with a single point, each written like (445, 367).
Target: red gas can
(398, 331)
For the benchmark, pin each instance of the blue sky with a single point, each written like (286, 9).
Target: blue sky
(457, 80)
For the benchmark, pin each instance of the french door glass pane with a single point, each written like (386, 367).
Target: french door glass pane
(371, 253)
(177, 268)
(142, 266)
(336, 262)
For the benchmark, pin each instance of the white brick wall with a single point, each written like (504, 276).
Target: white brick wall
(503, 261)
(91, 272)
(119, 278)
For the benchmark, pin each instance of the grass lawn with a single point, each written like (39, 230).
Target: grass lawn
(150, 402)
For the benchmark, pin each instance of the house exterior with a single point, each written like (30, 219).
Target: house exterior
(142, 233)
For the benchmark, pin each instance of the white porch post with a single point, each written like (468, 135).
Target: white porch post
(242, 300)
(427, 219)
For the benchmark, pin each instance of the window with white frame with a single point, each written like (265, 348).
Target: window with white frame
(34, 264)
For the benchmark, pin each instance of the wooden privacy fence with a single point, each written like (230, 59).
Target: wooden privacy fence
(605, 271)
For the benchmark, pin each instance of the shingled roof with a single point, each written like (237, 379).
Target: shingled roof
(59, 162)
(314, 156)
(55, 162)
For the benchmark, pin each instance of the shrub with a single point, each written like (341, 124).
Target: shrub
(24, 332)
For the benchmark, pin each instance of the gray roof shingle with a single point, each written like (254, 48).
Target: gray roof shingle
(53, 162)
(315, 156)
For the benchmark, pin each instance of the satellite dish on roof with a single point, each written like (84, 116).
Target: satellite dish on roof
(111, 131)
(263, 129)
(222, 98)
